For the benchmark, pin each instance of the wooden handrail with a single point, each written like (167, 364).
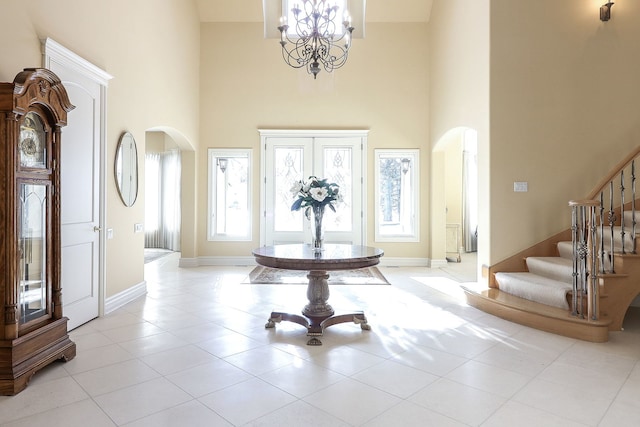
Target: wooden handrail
(614, 172)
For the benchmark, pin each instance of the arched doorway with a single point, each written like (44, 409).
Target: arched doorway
(169, 192)
(455, 206)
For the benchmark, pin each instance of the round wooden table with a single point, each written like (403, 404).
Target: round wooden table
(317, 314)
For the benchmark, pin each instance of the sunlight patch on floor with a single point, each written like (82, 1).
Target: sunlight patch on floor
(444, 285)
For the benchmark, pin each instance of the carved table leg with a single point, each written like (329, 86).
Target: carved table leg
(318, 314)
(318, 295)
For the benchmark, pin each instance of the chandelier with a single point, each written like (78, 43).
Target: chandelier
(319, 38)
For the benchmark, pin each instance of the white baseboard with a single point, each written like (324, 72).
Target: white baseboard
(216, 260)
(244, 261)
(403, 262)
(125, 297)
(438, 263)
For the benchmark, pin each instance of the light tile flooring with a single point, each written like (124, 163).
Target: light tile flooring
(194, 352)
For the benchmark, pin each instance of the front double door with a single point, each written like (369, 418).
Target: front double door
(289, 159)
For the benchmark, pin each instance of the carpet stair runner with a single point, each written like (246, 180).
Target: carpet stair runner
(548, 281)
(540, 295)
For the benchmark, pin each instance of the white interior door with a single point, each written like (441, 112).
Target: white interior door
(80, 172)
(291, 158)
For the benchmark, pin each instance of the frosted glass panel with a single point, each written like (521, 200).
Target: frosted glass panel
(288, 168)
(337, 167)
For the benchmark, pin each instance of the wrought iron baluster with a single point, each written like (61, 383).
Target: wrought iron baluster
(612, 221)
(622, 233)
(602, 253)
(575, 256)
(593, 268)
(633, 205)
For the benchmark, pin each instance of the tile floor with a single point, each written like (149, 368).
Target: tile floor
(194, 352)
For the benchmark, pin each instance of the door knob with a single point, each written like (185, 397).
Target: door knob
(97, 228)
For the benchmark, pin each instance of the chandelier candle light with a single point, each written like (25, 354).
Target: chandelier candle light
(318, 37)
(314, 195)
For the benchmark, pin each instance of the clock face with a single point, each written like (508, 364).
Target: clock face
(32, 142)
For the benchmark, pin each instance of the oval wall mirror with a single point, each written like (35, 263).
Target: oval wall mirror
(126, 168)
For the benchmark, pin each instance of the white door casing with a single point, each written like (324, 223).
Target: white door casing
(82, 181)
(290, 155)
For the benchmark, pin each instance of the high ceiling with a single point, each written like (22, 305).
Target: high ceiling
(251, 10)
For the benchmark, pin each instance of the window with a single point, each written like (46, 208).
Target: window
(396, 190)
(341, 14)
(229, 194)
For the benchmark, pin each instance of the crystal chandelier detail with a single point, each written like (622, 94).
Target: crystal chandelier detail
(319, 38)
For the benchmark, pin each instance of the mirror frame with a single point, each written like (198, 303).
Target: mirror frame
(127, 150)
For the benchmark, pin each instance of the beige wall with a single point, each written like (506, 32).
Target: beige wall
(459, 98)
(154, 59)
(562, 93)
(453, 178)
(564, 110)
(246, 86)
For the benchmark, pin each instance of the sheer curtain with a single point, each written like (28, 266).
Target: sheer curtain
(162, 205)
(470, 191)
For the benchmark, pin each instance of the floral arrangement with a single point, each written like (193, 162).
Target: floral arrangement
(315, 193)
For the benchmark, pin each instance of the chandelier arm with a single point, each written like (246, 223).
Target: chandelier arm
(317, 40)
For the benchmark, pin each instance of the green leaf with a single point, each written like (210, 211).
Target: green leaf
(296, 205)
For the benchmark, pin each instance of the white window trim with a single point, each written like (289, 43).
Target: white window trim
(213, 154)
(414, 155)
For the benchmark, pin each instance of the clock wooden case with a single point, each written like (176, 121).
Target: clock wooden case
(33, 331)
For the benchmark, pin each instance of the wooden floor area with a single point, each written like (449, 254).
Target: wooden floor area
(535, 315)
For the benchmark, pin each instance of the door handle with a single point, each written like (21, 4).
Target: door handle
(97, 228)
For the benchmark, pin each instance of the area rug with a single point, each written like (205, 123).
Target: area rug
(276, 276)
(152, 254)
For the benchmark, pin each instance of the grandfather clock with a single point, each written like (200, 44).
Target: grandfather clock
(33, 331)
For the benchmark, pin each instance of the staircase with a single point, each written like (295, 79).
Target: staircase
(581, 282)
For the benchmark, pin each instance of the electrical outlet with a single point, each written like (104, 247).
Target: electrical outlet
(137, 228)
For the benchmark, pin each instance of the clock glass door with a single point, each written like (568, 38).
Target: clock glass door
(33, 142)
(33, 205)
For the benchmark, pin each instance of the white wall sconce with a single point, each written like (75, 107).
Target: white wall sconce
(405, 165)
(222, 163)
(605, 11)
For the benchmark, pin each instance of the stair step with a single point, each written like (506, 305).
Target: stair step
(538, 316)
(565, 249)
(556, 268)
(535, 288)
(629, 239)
(628, 218)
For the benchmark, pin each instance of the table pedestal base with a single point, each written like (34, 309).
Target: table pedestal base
(317, 315)
(315, 326)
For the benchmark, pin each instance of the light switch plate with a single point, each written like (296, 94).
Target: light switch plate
(109, 233)
(137, 228)
(520, 186)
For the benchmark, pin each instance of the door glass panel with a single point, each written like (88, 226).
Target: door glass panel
(337, 169)
(290, 159)
(32, 145)
(288, 168)
(32, 246)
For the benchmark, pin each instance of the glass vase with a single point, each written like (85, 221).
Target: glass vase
(317, 231)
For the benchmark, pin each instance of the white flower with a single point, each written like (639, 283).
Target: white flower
(318, 193)
(295, 189)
